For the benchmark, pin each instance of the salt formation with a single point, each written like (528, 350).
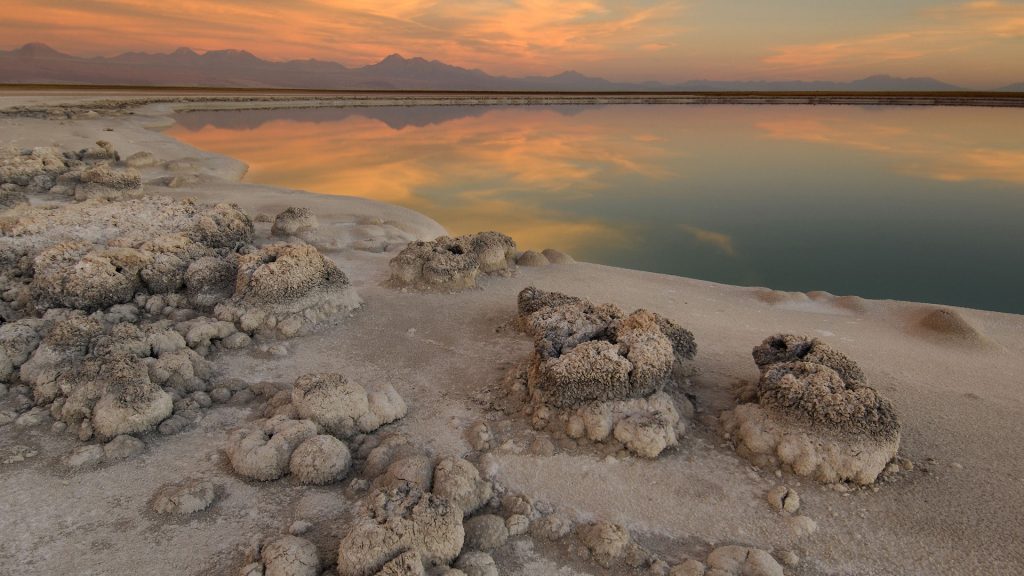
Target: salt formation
(110, 306)
(88, 174)
(286, 289)
(343, 407)
(294, 221)
(814, 414)
(397, 521)
(189, 497)
(600, 372)
(291, 438)
(453, 263)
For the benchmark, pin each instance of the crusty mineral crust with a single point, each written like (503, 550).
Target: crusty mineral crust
(294, 221)
(452, 263)
(814, 414)
(395, 521)
(791, 348)
(817, 395)
(586, 353)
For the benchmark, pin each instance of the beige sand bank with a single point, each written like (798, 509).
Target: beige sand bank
(960, 398)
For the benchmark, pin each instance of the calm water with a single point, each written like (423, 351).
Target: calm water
(909, 203)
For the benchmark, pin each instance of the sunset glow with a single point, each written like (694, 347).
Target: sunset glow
(978, 44)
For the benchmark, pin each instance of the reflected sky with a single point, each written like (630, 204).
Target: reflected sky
(913, 203)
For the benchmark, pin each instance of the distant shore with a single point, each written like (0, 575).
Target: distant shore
(431, 97)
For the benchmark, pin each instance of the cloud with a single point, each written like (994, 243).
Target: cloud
(938, 31)
(503, 36)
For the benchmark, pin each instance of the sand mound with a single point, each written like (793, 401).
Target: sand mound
(948, 325)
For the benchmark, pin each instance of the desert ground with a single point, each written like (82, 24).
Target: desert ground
(548, 499)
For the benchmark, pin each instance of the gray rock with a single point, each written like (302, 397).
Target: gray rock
(122, 447)
(485, 532)
(85, 456)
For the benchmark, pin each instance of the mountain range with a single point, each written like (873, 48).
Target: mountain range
(37, 63)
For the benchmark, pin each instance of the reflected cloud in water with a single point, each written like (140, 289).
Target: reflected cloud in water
(908, 203)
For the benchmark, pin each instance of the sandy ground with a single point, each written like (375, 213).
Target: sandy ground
(960, 401)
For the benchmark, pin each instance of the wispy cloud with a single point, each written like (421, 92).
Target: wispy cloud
(937, 31)
(518, 36)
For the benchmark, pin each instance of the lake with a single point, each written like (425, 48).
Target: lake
(909, 203)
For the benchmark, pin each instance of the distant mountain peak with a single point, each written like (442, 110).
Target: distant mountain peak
(184, 51)
(38, 50)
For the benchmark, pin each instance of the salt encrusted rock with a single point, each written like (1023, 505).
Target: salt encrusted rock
(601, 370)
(416, 470)
(485, 532)
(294, 221)
(606, 541)
(123, 447)
(103, 151)
(331, 401)
(452, 263)
(320, 460)
(557, 257)
(188, 497)
(782, 498)
(477, 564)
(32, 169)
(264, 452)
(405, 564)
(222, 226)
(585, 353)
(784, 348)
(459, 481)
(141, 159)
(551, 527)
(18, 340)
(210, 280)
(284, 289)
(290, 556)
(131, 403)
(688, 567)
(344, 407)
(72, 275)
(812, 419)
(517, 525)
(649, 433)
(391, 448)
(740, 560)
(101, 182)
(85, 456)
(531, 258)
(12, 198)
(395, 521)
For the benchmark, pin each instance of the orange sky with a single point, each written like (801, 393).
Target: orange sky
(979, 44)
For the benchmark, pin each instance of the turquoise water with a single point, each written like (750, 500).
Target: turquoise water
(909, 203)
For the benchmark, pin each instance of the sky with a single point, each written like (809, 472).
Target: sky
(977, 44)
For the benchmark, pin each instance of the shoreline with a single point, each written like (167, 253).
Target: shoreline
(959, 399)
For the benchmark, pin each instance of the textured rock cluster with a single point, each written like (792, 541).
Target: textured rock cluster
(453, 263)
(304, 431)
(814, 414)
(601, 373)
(89, 174)
(109, 307)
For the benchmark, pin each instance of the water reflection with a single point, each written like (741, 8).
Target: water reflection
(909, 203)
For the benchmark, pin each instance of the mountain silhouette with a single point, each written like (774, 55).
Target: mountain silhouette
(37, 63)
